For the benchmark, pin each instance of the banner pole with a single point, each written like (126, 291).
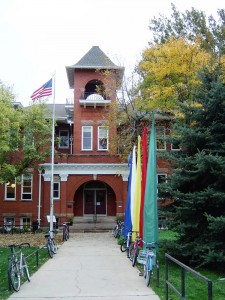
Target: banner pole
(52, 159)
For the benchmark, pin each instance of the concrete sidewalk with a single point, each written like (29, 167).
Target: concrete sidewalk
(90, 266)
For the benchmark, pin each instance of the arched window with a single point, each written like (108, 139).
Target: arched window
(95, 87)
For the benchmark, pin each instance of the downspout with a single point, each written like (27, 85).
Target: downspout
(39, 198)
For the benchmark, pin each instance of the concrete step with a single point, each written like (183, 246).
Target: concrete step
(90, 224)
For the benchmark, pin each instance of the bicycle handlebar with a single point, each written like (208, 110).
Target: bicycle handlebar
(150, 244)
(19, 245)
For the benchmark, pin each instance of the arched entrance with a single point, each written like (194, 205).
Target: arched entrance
(95, 198)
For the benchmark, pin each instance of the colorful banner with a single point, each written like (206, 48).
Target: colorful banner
(150, 230)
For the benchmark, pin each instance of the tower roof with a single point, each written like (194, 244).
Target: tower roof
(95, 58)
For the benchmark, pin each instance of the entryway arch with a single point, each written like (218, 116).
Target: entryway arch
(95, 198)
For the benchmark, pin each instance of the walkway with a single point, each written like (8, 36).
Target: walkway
(90, 266)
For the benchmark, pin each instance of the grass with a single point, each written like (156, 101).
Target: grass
(196, 289)
(32, 266)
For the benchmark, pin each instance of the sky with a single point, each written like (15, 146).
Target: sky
(41, 37)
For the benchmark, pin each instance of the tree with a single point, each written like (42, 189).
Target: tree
(24, 135)
(197, 183)
(170, 73)
(189, 25)
(181, 46)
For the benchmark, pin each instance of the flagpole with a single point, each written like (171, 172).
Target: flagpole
(52, 158)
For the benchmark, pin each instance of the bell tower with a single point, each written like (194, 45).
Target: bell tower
(94, 79)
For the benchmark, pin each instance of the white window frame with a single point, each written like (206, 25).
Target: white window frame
(28, 224)
(28, 187)
(67, 139)
(175, 149)
(91, 138)
(160, 137)
(11, 185)
(8, 223)
(105, 137)
(56, 190)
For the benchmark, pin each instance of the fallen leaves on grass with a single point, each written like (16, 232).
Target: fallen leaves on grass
(35, 239)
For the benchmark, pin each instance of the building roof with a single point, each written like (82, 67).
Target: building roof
(95, 58)
(60, 112)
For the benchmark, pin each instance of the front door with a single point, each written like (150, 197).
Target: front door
(94, 201)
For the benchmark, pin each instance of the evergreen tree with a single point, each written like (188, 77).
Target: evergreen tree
(197, 185)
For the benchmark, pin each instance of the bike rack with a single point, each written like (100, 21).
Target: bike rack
(183, 268)
(36, 253)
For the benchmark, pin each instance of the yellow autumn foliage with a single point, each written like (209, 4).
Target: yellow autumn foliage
(170, 73)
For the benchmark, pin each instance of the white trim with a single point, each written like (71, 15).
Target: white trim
(82, 138)
(86, 169)
(107, 138)
(58, 190)
(31, 187)
(6, 187)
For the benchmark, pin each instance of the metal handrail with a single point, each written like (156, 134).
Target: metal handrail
(183, 269)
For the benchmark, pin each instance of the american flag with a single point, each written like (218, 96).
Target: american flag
(43, 91)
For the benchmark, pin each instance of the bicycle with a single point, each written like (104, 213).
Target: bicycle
(118, 229)
(147, 258)
(134, 250)
(127, 243)
(51, 244)
(66, 231)
(17, 266)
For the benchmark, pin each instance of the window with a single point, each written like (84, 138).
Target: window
(10, 190)
(160, 138)
(26, 187)
(64, 139)
(25, 223)
(56, 190)
(102, 138)
(8, 223)
(87, 138)
(161, 178)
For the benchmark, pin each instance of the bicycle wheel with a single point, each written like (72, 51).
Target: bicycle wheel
(115, 232)
(145, 269)
(68, 234)
(129, 248)
(148, 271)
(14, 276)
(54, 246)
(26, 268)
(134, 254)
(64, 234)
(123, 246)
(49, 247)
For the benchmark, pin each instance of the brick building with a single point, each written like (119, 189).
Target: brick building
(89, 179)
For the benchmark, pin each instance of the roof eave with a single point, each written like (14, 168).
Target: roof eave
(71, 69)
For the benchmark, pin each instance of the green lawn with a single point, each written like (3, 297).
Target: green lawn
(32, 265)
(196, 289)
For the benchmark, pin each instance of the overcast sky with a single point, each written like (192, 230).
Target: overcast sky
(40, 37)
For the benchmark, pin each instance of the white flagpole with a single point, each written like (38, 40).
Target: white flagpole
(52, 158)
